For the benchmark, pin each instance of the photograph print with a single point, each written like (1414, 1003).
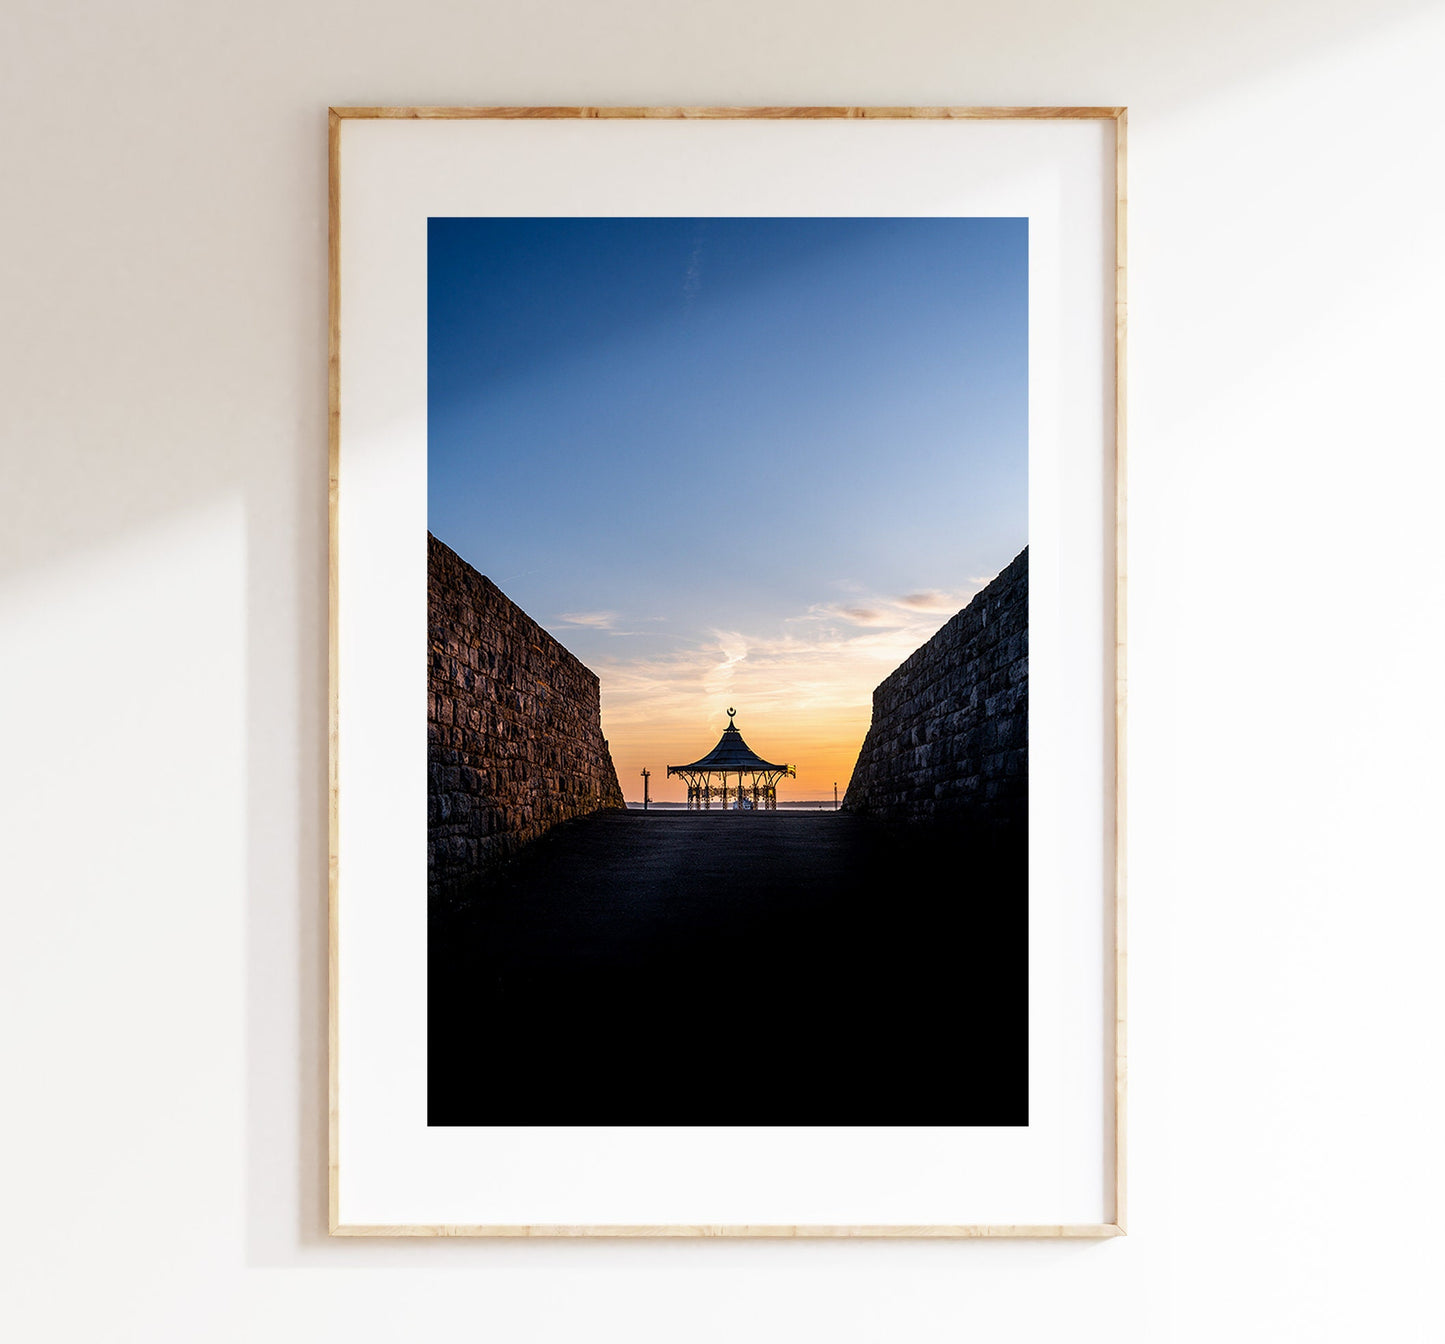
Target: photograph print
(727, 661)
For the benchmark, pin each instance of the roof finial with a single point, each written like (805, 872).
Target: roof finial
(731, 712)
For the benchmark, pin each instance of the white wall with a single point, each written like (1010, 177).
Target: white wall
(162, 679)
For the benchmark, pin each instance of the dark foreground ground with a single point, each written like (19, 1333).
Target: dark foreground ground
(734, 968)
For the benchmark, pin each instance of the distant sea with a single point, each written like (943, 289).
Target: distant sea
(814, 805)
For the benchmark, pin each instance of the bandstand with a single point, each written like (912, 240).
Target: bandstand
(709, 780)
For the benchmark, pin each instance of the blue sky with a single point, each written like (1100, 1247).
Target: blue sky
(742, 461)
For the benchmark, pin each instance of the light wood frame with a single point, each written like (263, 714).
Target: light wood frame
(1119, 116)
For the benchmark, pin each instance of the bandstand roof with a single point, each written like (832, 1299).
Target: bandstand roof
(730, 754)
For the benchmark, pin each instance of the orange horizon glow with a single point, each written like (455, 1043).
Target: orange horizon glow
(803, 697)
(820, 762)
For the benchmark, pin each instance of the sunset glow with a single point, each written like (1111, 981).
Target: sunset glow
(803, 696)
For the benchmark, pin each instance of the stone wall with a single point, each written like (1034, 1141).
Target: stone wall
(514, 731)
(949, 737)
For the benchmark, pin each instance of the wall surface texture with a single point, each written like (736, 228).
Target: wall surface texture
(949, 740)
(163, 670)
(514, 729)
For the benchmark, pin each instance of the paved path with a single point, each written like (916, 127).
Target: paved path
(722, 967)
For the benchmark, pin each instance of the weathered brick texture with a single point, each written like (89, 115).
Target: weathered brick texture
(514, 730)
(949, 738)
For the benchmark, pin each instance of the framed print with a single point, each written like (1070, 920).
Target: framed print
(727, 611)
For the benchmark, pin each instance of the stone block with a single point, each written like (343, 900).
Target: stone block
(514, 737)
(949, 726)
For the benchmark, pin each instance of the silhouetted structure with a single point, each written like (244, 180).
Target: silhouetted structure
(707, 779)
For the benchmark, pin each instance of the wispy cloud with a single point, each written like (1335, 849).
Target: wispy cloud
(912, 612)
(931, 600)
(592, 620)
(865, 615)
(692, 279)
(803, 689)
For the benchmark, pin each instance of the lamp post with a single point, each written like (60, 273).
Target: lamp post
(646, 775)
